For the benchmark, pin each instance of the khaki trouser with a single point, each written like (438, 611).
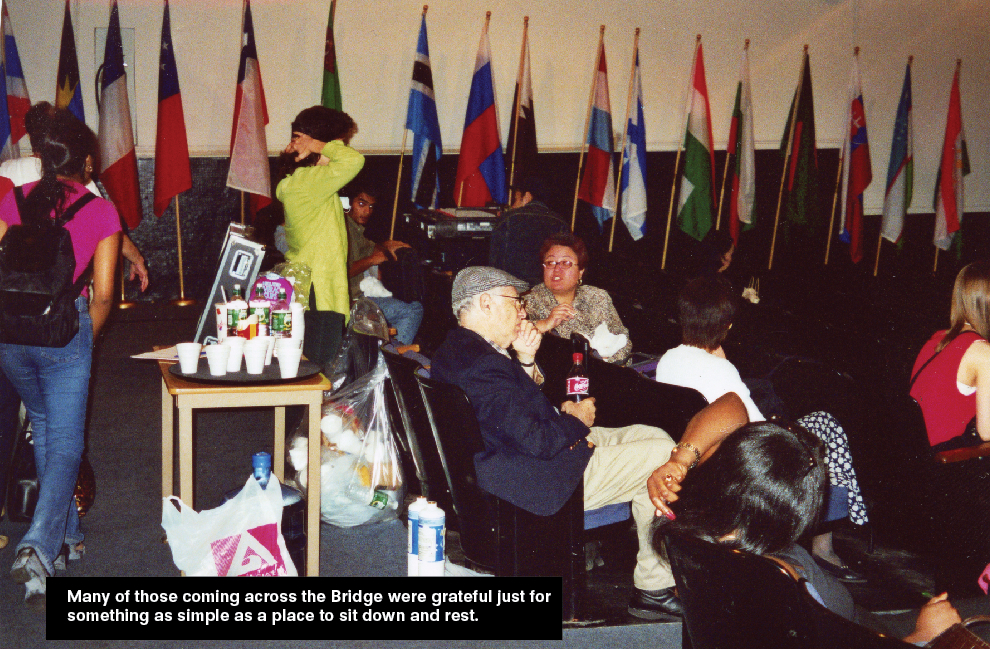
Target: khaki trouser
(623, 460)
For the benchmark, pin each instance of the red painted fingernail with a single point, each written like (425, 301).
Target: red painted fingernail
(670, 515)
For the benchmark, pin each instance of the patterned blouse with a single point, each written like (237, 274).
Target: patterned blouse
(593, 306)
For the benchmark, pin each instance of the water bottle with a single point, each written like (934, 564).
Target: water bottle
(432, 532)
(261, 466)
(412, 547)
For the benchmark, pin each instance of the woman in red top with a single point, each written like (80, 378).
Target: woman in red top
(951, 377)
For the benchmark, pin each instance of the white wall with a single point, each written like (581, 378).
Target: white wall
(376, 41)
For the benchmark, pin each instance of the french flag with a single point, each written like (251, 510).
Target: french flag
(118, 171)
(18, 101)
(249, 170)
(481, 165)
(598, 182)
(172, 174)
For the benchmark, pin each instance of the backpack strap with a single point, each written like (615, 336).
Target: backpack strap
(73, 209)
(921, 369)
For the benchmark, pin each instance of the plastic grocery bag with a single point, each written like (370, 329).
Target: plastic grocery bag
(242, 537)
(360, 473)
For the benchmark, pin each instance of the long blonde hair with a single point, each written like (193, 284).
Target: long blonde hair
(970, 302)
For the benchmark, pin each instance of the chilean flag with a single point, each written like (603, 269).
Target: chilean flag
(118, 171)
(481, 166)
(172, 175)
(598, 181)
(18, 101)
(248, 149)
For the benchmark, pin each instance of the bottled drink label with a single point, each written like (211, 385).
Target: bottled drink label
(578, 385)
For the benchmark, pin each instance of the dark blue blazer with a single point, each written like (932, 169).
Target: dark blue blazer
(528, 459)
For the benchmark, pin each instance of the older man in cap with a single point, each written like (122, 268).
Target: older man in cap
(535, 454)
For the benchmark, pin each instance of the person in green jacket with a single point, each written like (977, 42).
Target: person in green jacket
(315, 165)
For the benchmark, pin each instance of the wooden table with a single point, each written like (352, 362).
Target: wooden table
(186, 396)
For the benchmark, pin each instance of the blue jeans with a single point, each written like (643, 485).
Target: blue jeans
(54, 386)
(404, 316)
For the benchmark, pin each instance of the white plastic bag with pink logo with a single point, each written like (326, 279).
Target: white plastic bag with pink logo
(240, 538)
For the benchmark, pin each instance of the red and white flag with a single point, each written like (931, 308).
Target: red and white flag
(954, 166)
(248, 149)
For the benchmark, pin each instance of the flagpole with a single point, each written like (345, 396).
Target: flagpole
(242, 208)
(124, 302)
(587, 122)
(677, 160)
(398, 177)
(515, 115)
(725, 174)
(787, 156)
(835, 201)
(182, 301)
(625, 134)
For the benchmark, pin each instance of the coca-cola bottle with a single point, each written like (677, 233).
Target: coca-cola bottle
(577, 379)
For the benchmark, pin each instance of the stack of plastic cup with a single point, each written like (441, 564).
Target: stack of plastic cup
(216, 356)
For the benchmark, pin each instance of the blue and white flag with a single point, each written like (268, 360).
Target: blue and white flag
(422, 120)
(633, 185)
(900, 170)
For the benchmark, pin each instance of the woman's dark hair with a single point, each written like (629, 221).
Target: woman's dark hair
(719, 241)
(760, 491)
(567, 240)
(320, 123)
(970, 302)
(36, 122)
(63, 149)
(706, 307)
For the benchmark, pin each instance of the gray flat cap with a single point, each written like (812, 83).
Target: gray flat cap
(475, 280)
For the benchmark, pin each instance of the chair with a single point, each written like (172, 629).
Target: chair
(416, 424)
(622, 395)
(494, 533)
(737, 600)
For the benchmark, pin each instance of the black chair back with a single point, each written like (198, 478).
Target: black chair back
(623, 396)
(416, 423)
(737, 600)
(458, 440)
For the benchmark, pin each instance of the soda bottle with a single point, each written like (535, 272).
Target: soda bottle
(262, 308)
(577, 379)
(281, 316)
(237, 311)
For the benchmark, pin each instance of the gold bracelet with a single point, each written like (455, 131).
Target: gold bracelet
(690, 447)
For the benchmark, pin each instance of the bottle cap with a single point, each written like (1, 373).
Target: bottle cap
(578, 357)
(261, 460)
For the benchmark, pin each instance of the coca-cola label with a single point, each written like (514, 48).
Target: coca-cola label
(577, 384)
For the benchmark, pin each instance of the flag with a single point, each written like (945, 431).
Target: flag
(742, 170)
(68, 94)
(694, 210)
(801, 205)
(248, 151)
(900, 170)
(857, 170)
(6, 143)
(118, 162)
(598, 182)
(520, 149)
(421, 119)
(633, 183)
(481, 166)
(330, 97)
(953, 167)
(172, 173)
(18, 101)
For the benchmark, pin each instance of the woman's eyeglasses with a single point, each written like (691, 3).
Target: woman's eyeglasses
(563, 263)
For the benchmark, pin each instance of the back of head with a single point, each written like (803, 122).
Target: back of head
(532, 184)
(36, 122)
(760, 491)
(706, 308)
(322, 123)
(64, 149)
(970, 301)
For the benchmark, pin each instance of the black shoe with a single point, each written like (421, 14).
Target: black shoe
(655, 604)
(842, 573)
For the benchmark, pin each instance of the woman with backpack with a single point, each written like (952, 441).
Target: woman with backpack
(51, 376)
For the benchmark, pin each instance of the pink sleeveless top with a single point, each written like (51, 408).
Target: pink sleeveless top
(947, 412)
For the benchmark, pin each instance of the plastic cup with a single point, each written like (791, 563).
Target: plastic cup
(216, 356)
(286, 343)
(288, 361)
(254, 355)
(236, 344)
(189, 356)
(269, 347)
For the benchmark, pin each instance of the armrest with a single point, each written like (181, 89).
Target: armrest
(963, 454)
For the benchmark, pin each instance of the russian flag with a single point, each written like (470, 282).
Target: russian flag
(172, 174)
(18, 101)
(118, 171)
(481, 165)
(248, 148)
(598, 181)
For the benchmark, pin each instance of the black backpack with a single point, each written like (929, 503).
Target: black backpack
(37, 294)
(402, 274)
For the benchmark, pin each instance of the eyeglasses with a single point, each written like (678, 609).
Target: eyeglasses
(563, 263)
(518, 300)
